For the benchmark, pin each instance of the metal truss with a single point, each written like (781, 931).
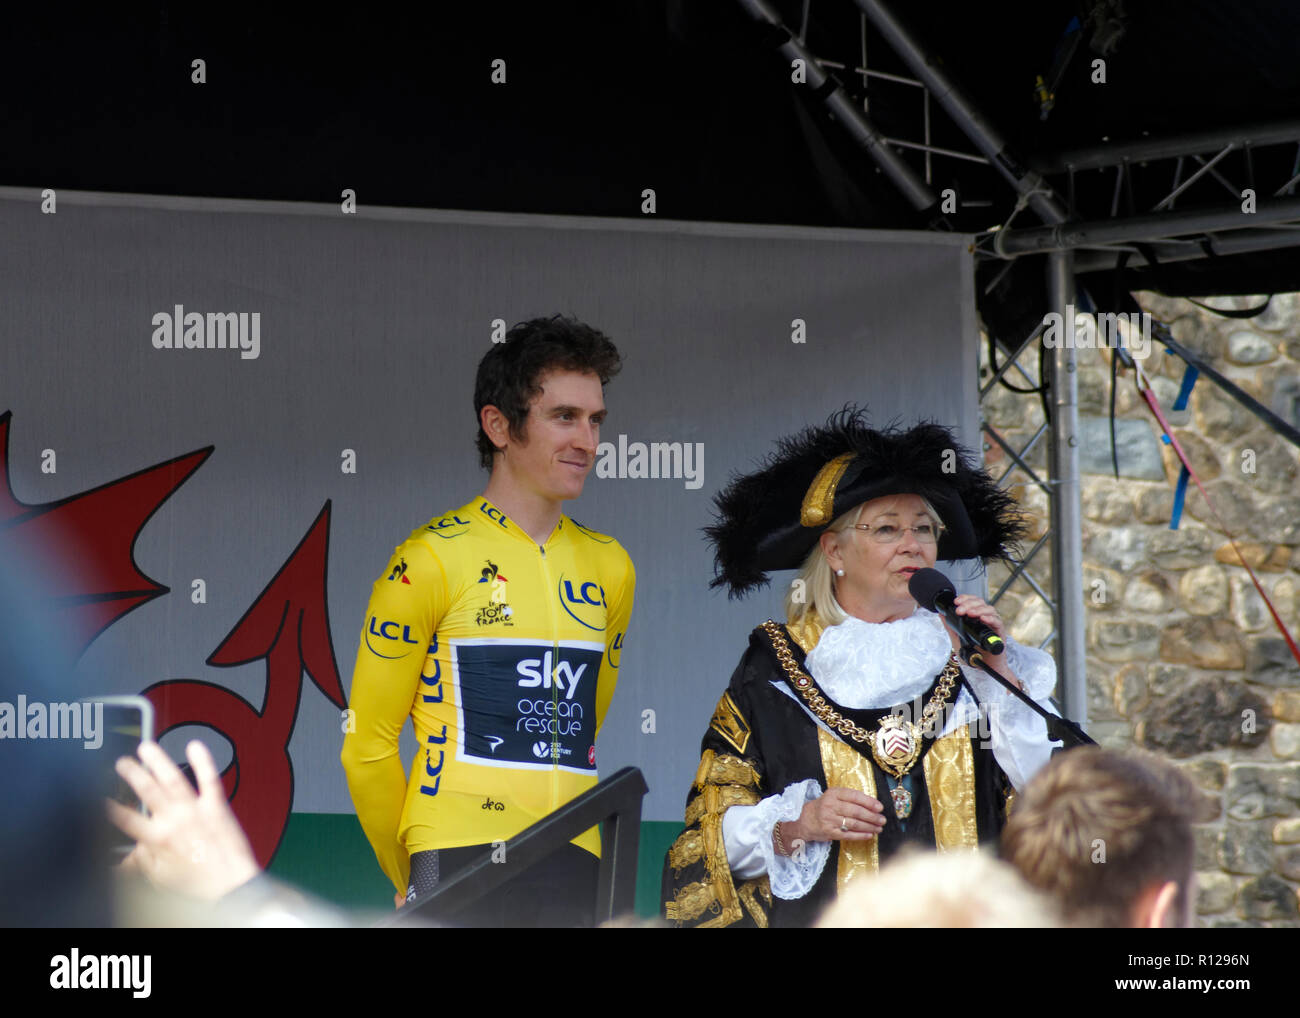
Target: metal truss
(1154, 155)
(1019, 460)
(866, 74)
(1196, 167)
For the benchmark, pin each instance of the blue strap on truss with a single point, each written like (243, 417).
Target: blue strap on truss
(1180, 490)
(1185, 393)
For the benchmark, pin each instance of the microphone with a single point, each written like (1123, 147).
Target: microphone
(934, 591)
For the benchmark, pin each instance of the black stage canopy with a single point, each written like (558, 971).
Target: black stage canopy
(694, 99)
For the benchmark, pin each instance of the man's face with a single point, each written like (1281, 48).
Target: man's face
(561, 434)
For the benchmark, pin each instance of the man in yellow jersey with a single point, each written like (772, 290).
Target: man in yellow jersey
(497, 628)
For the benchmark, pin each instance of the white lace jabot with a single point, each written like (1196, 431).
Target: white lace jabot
(871, 665)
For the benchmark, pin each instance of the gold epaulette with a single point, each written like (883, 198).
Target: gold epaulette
(728, 722)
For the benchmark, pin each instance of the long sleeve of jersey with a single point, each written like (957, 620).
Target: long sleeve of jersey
(406, 604)
(619, 606)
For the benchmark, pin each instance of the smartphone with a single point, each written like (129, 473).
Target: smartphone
(123, 722)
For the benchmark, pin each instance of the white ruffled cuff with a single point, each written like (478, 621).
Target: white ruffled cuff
(747, 833)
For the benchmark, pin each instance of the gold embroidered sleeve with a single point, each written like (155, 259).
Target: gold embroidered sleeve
(725, 769)
(691, 902)
(687, 849)
(699, 888)
(717, 799)
(757, 897)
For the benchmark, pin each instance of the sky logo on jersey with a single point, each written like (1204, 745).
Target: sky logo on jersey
(551, 701)
(391, 636)
(543, 672)
(584, 601)
(448, 527)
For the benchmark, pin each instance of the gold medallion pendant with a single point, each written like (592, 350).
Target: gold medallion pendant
(896, 745)
(902, 801)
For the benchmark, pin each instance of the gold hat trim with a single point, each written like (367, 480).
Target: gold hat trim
(818, 505)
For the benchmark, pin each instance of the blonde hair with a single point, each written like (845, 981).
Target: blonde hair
(813, 589)
(959, 889)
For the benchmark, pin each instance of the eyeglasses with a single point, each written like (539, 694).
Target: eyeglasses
(887, 533)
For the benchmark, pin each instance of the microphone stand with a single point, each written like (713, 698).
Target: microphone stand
(1059, 729)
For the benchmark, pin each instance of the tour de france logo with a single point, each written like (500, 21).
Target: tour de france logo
(498, 608)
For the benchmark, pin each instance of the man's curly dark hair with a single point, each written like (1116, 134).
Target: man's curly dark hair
(509, 375)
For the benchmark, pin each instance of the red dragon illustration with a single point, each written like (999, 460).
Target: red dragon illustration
(288, 625)
(95, 581)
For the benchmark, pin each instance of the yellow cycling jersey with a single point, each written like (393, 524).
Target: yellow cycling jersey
(504, 654)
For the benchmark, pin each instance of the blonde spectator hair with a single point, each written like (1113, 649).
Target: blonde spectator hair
(813, 588)
(1097, 828)
(962, 889)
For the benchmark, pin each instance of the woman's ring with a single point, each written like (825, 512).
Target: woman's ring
(844, 824)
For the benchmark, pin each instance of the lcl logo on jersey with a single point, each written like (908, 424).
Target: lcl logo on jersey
(493, 513)
(448, 527)
(584, 600)
(394, 636)
(614, 652)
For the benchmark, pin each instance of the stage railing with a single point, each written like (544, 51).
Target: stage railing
(615, 803)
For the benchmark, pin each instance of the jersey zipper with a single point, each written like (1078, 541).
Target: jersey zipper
(555, 660)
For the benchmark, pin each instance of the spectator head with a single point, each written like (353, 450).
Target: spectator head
(928, 890)
(1108, 835)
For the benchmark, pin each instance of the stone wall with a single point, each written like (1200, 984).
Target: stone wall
(1183, 658)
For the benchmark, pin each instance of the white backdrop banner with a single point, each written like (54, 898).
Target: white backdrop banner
(229, 413)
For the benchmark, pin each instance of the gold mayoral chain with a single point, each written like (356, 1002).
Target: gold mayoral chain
(896, 743)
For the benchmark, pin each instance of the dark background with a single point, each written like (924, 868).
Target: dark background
(604, 99)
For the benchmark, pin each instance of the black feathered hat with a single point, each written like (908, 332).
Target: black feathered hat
(770, 519)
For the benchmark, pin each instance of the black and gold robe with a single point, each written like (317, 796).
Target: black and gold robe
(759, 742)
